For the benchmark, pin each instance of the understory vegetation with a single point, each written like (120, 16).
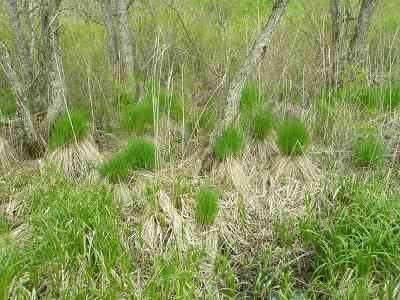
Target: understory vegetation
(160, 182)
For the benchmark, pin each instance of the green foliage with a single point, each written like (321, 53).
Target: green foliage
(262, 124)
(176, 277)
(231, 142)
(369, 98)
(391, 98)
(226, 274)
(205, 120)
(7, 105)
(62, 133)
(358, 238)
(72, 230)
(325, 115)
(293, 137)
(138, 154)
(252, 96)
(138, 117)
(368, 151)
(170, 104)
(5, 225)
(126, 97)
(206, 205)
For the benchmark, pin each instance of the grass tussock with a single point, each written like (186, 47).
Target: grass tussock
(262, 124)
(205, 120)
(8, 106)
(138, 154)
(368, 151)
(391, 97)
(70, 128)
(206, 205)
(231, 142)
(355, 253)
(253, 94)
(293, 137)
(74, 245)
(159, 102)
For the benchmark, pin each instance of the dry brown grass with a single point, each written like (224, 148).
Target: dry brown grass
(7, 155)
(76, 160)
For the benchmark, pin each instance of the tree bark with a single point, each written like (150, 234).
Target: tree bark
(25, 128)
(336, 28)
(55, 70)
(364, 19)
(108, 10)
(126, 45)
(254, 58)
(21, 42)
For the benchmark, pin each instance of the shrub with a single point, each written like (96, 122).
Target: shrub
(206, 205)
(262, 124)
(293, 137)
(62, 133)
(138, 154)
(368, 152)
(252, 95)
(231, 142)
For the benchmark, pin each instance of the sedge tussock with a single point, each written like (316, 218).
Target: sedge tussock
(75, 160)
(300, 168)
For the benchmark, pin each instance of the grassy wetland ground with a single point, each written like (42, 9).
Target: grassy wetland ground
(302, 202)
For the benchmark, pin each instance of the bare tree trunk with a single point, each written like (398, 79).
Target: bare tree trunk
(252, 61)
(22, 45)
(30, 20)
(254, 58)
(108, 11)
(56, 86)
(337, 22)
(126, 45)
(364, 19)
(25, 129)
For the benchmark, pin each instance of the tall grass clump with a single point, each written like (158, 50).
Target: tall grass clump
(262, 124)
(293, 137)
(230, 142)
(251, 97)
(69, 128)
(7, 105)
(391, 97)
(205, 120)
(369, 98)
(75, 231)
(138, 117)
(206, 205)
(138, 154)
(357, 240)
(368, 151)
